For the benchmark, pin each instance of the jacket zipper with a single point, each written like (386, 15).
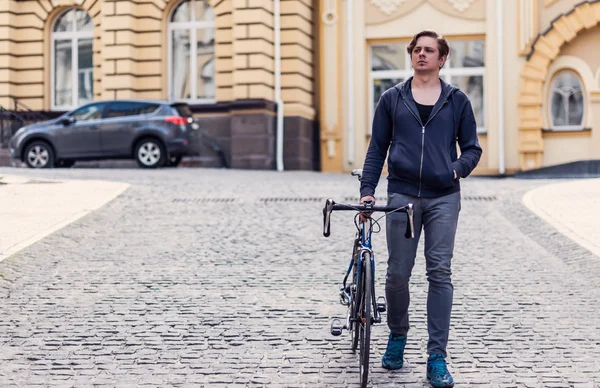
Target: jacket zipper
(423, 137)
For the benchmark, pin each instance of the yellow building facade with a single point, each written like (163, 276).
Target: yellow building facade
(292, 84)
(530, 67)
(234, 61)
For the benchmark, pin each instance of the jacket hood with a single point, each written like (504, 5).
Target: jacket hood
(404, 88)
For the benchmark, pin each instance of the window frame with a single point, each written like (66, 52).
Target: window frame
(446, 73)
(550, 89)
(191, 27)
(73, 36)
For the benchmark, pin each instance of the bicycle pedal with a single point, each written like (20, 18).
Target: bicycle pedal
(381, 304)
(336, 327)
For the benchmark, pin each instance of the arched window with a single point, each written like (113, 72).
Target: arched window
(566, 101)
(72, 60)
(191, 52)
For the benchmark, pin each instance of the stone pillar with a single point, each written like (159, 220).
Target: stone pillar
(7, 62)
(330, 99)
(223, 50)
(131, 51)
(22, 54)
(253, 135)
(253, 130)
(298, 84)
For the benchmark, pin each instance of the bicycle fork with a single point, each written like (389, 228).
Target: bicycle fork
(349, 292)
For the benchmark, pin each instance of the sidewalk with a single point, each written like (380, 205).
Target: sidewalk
(31, 208)
(573, 208)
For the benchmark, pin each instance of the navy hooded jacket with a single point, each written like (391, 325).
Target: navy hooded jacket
(422, 156)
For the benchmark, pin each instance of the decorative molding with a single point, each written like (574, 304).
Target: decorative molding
(329, 15)
(528, 26)
(68, 3)
(388, 6)
(384, 11)
(548, 3)
(461, 5)
(550, 133)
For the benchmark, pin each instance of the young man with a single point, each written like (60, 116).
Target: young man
(419, 122)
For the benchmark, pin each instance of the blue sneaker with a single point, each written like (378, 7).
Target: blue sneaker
(394, 353)
(437, 372)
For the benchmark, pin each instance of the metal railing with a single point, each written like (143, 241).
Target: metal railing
(10, 122)
(37, 116)
(13, 119)
(212, 142)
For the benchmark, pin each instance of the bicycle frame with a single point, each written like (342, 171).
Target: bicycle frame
(362, 245)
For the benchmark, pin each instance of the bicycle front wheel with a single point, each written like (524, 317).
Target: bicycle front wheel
(355, 306)
(365, 319)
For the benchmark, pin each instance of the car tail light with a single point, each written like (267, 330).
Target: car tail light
(177, 120)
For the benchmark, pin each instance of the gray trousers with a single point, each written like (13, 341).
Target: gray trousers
(438, 217)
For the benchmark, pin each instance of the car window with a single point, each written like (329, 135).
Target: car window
(88, 112)
(147, 108)
(122, 109)
(182, 110)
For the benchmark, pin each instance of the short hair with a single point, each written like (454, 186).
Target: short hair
(443, 46)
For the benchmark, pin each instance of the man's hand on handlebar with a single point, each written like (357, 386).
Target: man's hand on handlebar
(365, 215)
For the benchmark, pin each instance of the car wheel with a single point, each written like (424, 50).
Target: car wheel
(174, 161)
(64, 163)
(150, 153)
(39, 154)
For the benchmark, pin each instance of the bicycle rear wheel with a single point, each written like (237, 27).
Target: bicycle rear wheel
(365, 318)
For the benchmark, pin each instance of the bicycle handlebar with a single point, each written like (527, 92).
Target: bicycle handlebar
(330, 206)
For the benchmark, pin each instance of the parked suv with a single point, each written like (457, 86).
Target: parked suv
(155, 133)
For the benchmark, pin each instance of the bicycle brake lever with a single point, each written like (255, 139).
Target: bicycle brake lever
(327, 216)
(410, 226)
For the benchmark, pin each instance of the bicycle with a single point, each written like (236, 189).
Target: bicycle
(364, 309)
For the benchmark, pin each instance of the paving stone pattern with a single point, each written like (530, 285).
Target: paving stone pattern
(219, 278)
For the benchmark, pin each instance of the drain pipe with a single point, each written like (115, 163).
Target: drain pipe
(278, 101)
(499, 32)
(350, 85)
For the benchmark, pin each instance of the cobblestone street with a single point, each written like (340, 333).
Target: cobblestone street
(197, 277)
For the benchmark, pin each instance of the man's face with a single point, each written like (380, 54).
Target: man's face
(425, 56)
